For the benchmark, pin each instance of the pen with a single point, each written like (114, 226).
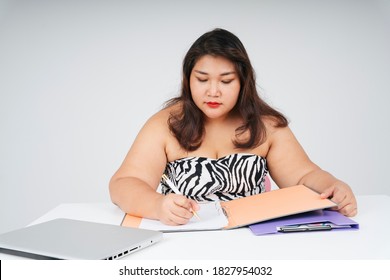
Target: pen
(176, 191)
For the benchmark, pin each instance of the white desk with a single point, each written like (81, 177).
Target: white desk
(371, 241)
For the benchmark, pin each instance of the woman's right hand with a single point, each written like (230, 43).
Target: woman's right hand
(174, 209)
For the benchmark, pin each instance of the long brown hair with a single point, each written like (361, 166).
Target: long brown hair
(187, 124)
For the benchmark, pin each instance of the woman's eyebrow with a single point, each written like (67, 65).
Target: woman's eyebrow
(200, 72)
(222, 74)
(228, 73)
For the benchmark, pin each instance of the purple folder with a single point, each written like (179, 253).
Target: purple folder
(319, 216)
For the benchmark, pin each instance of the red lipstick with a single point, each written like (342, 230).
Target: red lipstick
(213, 104)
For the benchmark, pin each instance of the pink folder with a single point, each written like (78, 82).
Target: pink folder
(274, 204)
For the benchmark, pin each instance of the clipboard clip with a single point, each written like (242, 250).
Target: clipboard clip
(304, 227)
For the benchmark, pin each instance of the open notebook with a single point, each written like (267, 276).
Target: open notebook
(243, 211)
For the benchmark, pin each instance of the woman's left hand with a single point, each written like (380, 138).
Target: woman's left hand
(342, 194)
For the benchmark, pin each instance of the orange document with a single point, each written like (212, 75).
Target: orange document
(244, 211)
(272, 205)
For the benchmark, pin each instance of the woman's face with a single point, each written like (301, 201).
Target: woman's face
(215, 86)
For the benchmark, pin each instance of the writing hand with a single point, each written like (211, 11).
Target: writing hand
(176, 209)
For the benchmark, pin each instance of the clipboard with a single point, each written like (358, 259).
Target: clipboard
(326, 219)
(243, 211)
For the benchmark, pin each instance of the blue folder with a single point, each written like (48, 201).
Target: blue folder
(322, 217)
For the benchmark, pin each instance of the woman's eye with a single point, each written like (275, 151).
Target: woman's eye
(202, 80)
(227, 81)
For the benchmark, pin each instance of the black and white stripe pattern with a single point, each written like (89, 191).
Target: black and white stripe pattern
(226, 178)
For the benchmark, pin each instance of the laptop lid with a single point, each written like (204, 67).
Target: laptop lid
(73, 239)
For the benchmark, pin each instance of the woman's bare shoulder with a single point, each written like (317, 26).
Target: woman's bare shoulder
(159, 120)
(274, 131)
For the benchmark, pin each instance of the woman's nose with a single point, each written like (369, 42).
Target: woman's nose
(213, 90)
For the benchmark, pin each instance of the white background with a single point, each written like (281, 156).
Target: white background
(79, 78)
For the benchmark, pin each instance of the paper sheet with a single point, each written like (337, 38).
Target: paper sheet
(211, 218)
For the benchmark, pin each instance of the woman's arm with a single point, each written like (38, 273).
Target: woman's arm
(133, 186)
(289, 165)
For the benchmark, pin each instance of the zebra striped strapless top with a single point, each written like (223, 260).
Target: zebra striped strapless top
(226, 178)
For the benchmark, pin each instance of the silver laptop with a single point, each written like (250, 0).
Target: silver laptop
(72, 239)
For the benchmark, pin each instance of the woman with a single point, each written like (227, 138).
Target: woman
(217, 140)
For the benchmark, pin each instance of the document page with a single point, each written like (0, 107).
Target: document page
(211, 217)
